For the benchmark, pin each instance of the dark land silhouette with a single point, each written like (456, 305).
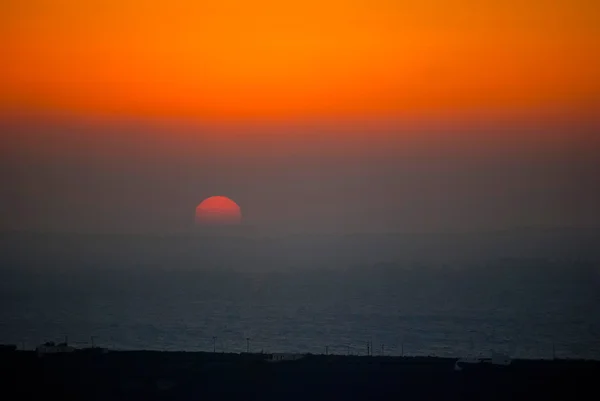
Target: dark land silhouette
(214, 376)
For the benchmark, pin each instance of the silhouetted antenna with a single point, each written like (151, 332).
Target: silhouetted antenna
(214, 344)
(368, 345)
(327, 350)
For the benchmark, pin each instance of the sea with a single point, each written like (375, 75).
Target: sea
(529, 310)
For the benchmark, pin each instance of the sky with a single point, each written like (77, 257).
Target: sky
(314, 116)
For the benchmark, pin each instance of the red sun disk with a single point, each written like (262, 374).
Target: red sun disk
(218, 210)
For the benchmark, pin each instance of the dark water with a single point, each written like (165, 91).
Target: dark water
(526, 310)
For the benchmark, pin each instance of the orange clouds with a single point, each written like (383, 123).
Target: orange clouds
(269, 59)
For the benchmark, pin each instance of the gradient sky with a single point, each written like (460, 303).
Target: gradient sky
(267, 58)
(321, 116)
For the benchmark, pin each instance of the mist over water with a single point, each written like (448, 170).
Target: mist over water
(328, 297)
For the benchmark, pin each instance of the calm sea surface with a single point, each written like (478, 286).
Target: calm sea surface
(526, 311)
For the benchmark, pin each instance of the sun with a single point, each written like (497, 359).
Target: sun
(217, 211)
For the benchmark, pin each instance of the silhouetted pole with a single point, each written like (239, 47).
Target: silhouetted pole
(247, 345)
(214, 344)
(368, 345)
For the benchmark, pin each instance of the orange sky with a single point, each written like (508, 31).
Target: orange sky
(271, 59)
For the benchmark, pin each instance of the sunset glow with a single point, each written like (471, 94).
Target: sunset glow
(218, 210)
(316, 115)
(268, 60)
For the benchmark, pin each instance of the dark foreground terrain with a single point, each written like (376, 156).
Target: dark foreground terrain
(205, 376)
